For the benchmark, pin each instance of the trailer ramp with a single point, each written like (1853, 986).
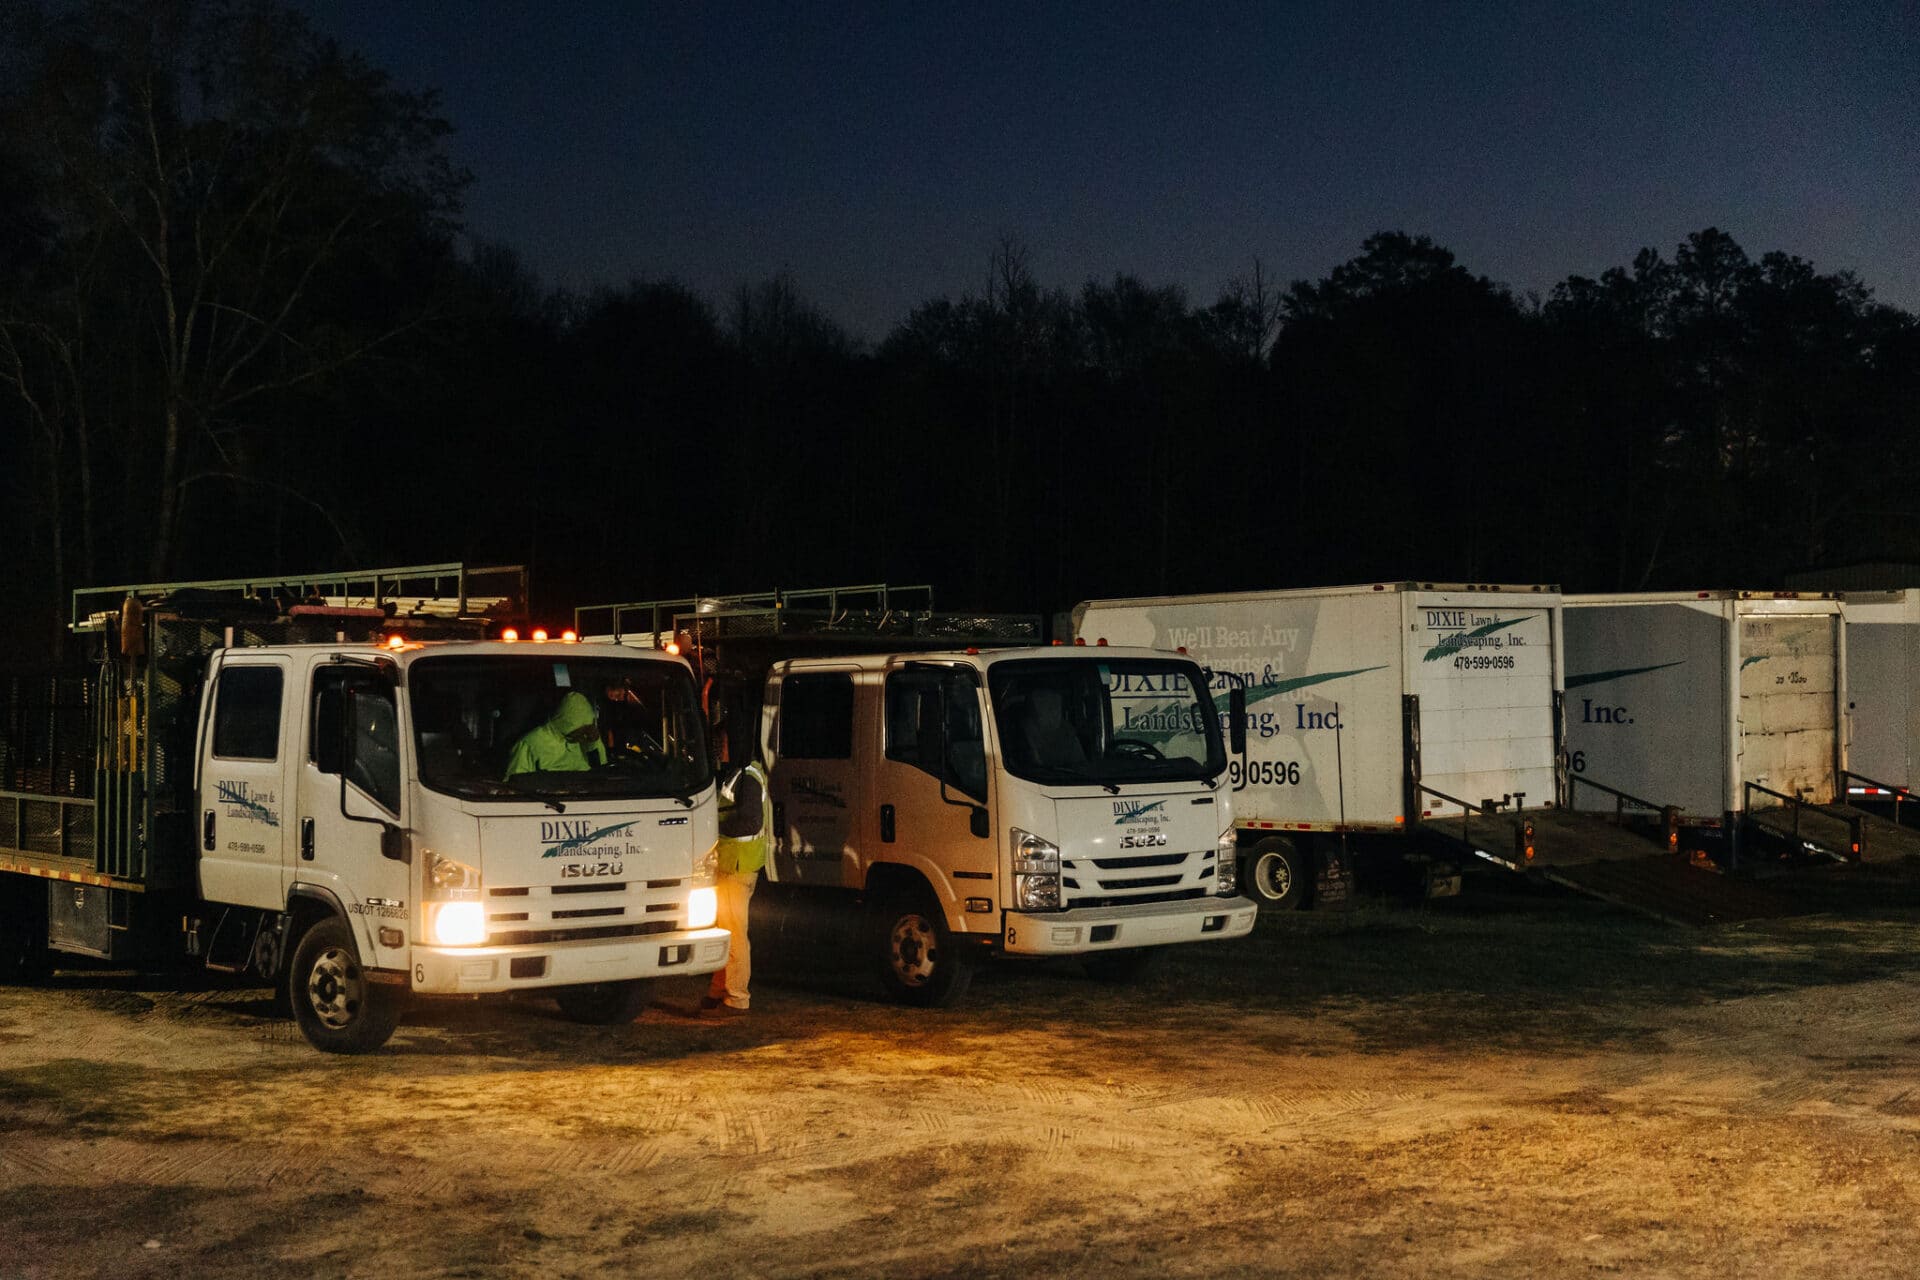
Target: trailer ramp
(1618, 861)
(1667, 886)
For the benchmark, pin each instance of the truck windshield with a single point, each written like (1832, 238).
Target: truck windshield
(549, 726)
(1105, 721)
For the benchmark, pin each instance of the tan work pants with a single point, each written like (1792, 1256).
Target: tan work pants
(734, 893)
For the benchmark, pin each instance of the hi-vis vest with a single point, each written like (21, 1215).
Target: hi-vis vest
(746, 854)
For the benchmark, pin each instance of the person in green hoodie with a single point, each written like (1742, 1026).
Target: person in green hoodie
(569, 742)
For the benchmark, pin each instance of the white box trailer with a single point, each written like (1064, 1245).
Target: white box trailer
(1371, 708)
(1883, 704)
(1690, 696)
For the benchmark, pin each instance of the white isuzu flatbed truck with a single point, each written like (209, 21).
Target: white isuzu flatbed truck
(314, 799)
(1027, 802)
(1379, 714)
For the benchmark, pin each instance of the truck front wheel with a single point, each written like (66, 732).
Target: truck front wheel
(918, 961)
(1276, 876)
(338, 1009)
(603, 1004)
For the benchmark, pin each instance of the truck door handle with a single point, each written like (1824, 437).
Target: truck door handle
(206, 832)
(886, 824)
(306, 839)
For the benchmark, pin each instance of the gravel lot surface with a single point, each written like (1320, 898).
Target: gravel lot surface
(1506, 1084)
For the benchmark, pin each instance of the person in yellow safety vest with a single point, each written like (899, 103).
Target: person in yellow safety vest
(746, 834)
(569, 741)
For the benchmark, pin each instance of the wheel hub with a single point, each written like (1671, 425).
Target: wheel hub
(913, 950)
(333, 988)
(1273, 875)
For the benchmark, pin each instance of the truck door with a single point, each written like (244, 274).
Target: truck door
(331, 850)
(933, 735)
(1787, 716)
(814, 778)
(244, 776)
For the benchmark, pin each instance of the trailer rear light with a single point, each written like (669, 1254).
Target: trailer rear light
(1526, 841)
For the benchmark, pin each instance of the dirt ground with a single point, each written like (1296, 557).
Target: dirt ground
(1507, 1084)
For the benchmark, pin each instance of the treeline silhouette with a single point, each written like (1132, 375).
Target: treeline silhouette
(241, 332)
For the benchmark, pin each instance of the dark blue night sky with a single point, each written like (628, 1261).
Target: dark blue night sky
(880, 151)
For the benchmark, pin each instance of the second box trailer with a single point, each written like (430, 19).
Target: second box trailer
(1730, 705)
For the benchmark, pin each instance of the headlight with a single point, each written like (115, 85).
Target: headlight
(456, 924)
(707, 870)
(1036, 872)
(703, 908)
(1226, 865)
(449, 879)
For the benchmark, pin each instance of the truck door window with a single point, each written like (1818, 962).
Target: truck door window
(329, 704)
(376, 744)
(927, 709)
(246, 714)
(376, 763)
(816, 716)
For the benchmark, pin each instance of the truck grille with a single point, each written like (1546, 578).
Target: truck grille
(1138, 878)
(518, 915)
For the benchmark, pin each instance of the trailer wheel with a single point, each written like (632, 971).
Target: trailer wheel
(603, 1004)
(918, 961)
(1119, 966)
(1277, 874)
(338, 1010)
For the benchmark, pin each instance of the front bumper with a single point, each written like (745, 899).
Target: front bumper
(481, 970)
(1154, 924)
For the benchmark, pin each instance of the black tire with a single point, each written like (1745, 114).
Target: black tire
(24, 957)
(1275, 873)
(1126, 965)
(603, 1004)
(915, 954)
(337, 1008)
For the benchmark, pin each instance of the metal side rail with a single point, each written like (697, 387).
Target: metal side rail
(1830, 831)
(1888, 837)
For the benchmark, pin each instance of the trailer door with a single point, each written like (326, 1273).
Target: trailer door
(1482, 667)
(1787, 707)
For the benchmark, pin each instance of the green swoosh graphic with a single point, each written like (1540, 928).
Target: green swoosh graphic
(1300, 682)
(581, 842)
(1760, 657)
(1453, 644)
(1574, 682)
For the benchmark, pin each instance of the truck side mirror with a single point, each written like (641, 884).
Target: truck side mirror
(395, 845)
(1237, 720)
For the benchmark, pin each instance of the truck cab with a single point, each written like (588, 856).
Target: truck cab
(1023, 802)
(371, 808)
